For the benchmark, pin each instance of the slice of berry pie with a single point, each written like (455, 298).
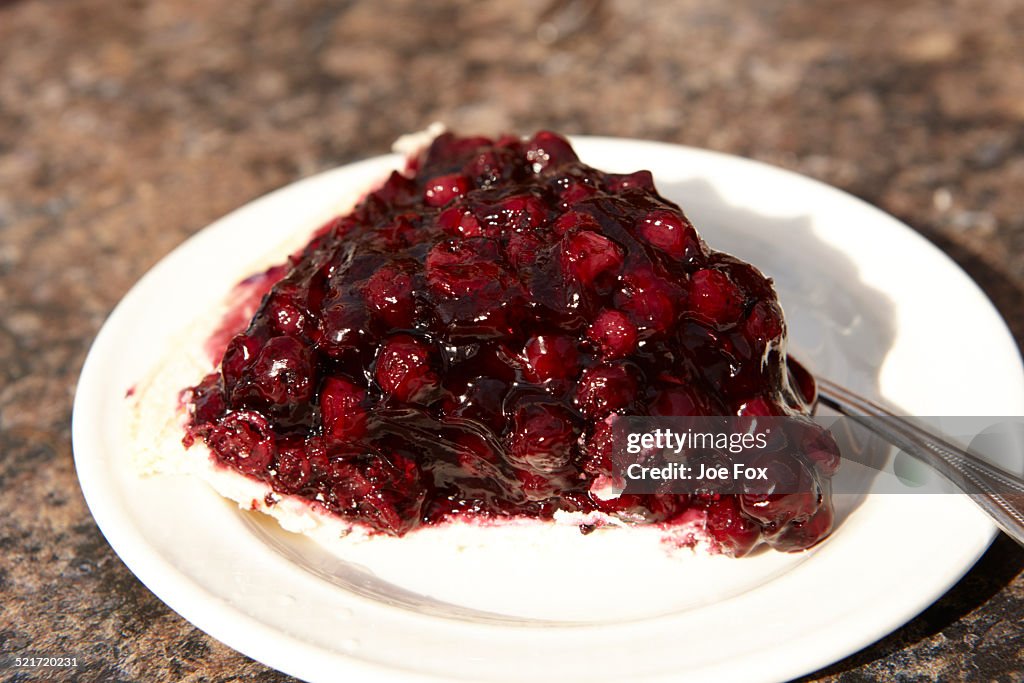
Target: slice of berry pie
(455, 349)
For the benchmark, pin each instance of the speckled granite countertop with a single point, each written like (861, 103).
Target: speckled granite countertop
(126, 127)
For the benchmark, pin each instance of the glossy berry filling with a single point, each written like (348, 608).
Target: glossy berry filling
(459, 344)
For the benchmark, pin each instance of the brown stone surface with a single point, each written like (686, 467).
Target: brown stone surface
(127, 126)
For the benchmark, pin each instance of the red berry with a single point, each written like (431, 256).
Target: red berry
(239, 355)
(576, 192)
(443, 189)
(244, 439)
(613, 333)
(206, 400)
(389, 296)
(550, 357)
(464, 268)
(764, 324)
(285, 313)
(588, 256)
(342, 325)
(282, 373)
(671, 232)
(649, 300)
(292, 470)
(341, 410)
(460, 221)
(714, 298)
(548, 149)
(403, 369)
(542, 438)
(516, 213)
(605, 389)
(734, 533)
(574, 219)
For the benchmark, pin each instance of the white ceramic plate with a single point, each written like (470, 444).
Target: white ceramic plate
(869, 303)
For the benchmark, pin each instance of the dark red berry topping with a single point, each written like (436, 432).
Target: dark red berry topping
(461, 344)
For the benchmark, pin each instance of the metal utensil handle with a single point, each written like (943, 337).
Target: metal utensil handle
(998, 492)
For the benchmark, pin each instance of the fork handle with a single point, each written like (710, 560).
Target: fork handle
(997, 492)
